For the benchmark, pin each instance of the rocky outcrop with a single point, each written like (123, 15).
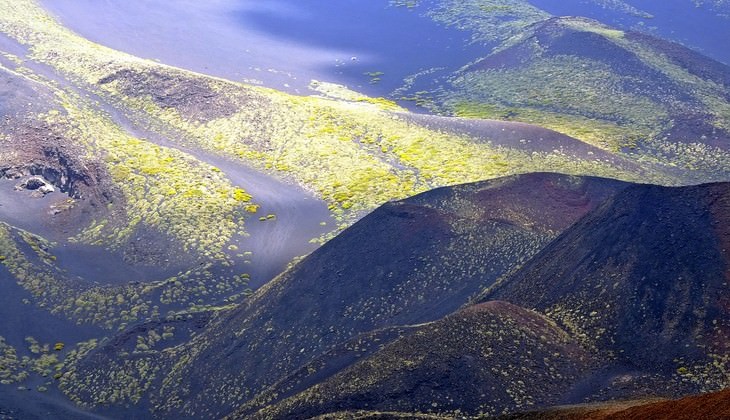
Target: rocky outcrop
(37, 151)
(37, 184)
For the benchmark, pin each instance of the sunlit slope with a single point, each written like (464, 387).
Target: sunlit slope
(621, 91)
(354, 152)
(125, 181)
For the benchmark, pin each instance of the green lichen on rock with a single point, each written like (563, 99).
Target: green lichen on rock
(355, 152)
(589, 81)
(579, 97)
(162, 187)
(113, 307)
(489, 21)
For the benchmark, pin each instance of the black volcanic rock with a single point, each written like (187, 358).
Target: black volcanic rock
(644, 278)
(408, 262)
(637, 289)
(33, 183)
(483, 359)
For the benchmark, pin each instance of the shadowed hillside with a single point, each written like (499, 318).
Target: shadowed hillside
(637, 285)
(466, 363)
(408, 262)
(644, 280)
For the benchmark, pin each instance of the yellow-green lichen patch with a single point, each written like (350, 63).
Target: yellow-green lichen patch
(162, 188)
(604, 134)
(489, 21)
(355, 156)
(335, 91)
(130, 379)
(572, 95)
(594, 27)
(113, 307)
(353, 151)
(709, 93)
(714, 375)
(39, 361)
(11, 366)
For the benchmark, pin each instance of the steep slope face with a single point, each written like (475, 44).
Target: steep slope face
(639, 283)
(614, 89)
(644, 279)
(408, 262)
(481, 360)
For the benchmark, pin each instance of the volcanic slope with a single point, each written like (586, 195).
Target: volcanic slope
(619, 90)
(714, 405)
(155, 168)
(157, 172)
(408, 262)
(234, 148)
(644, 279)
(629, 302)
(487, 359)
(353, 151)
